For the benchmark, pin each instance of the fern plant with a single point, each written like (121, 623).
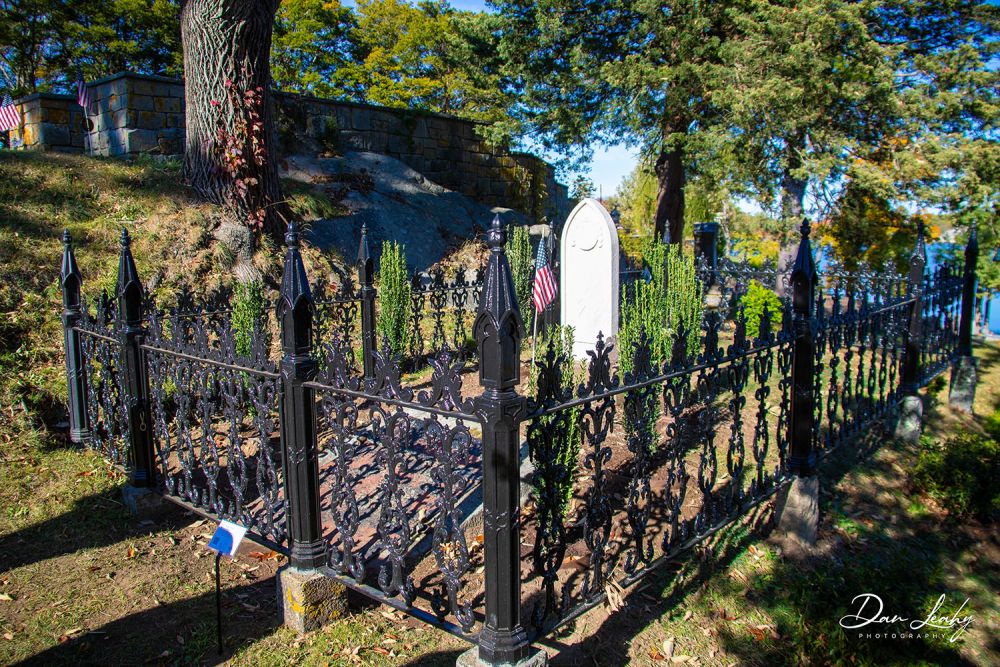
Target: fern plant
(394, 306)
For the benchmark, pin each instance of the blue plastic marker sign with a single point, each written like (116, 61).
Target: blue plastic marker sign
(227, 538)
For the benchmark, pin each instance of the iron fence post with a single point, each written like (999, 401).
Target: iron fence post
(76, 373)
(802, 457)
(366, 276)
(298, 420)
(968, 294)
(962, 394)
(498, 331)
(129, 293)
(910, 379)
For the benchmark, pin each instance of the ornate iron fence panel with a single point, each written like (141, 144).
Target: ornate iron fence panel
(399, 476)
(942, 302)
(441, 314)
(214, 398)
(861, 321)
(666, 454)
(105, 380)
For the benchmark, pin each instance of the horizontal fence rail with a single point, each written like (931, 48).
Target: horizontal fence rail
(463, 500)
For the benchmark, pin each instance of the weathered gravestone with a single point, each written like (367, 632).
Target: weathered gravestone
(588, 282)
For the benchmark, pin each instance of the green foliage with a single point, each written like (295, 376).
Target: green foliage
(248, 311)
(564, 426)
(961, 473)
(582, 188)
(42, 43)
(393, 298)
(754, 301)
(311, 47)
(672, 299)
(427, 56)
(518, 250)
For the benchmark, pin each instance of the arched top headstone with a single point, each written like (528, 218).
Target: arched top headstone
(589, 275)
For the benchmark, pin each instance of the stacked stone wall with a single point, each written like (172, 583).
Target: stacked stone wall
(49, 122)
(132, 113)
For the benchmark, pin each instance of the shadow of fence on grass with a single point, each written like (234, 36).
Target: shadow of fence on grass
(151, 636)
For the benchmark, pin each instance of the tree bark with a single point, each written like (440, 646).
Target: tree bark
(670, 178)
(229, 40)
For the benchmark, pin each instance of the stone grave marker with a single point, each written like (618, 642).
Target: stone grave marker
(588, 284)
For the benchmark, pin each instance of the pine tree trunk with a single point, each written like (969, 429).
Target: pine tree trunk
(229, 40)
(669, 216)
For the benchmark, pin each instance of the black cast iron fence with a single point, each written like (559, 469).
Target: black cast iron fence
(409, 490)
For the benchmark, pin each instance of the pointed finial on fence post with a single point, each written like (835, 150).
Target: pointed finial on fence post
(294, 288)
(69, 275)
(499, 326)
(803, 276)
(76, 376)
(366, 278)
(128, 289)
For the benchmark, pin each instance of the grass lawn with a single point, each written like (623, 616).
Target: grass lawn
(83, 582)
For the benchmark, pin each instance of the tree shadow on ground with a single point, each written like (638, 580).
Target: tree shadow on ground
(96, 520)
(151, 636)
(872, 540)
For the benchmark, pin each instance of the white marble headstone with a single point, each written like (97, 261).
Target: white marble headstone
(588, 282)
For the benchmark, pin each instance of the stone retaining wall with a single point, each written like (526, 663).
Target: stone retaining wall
(49, 122)
(132, 113)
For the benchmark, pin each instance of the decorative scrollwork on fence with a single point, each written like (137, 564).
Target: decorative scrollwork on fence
(217, 443)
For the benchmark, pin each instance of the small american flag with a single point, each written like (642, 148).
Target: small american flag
(544, 291)
(82, 94)
(10, 116)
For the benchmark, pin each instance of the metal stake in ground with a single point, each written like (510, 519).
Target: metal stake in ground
(218, 603)
(226, 540)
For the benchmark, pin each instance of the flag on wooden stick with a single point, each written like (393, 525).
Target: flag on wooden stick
(545, 288)
(82, 94)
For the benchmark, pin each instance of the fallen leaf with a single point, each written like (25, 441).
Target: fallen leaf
(130, 553)
(752, 549)
(9, 637)
(688, 615)
(380, 650)
(655, 655)
(615, 595)
(6, 597)
(677, 659)
(757, 633)
(668, 647)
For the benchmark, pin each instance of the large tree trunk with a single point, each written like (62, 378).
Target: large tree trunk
(230, 40)
(669, 217)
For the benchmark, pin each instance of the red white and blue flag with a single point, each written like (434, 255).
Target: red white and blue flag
(10, 116)
(82, 94)
(544, 291)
